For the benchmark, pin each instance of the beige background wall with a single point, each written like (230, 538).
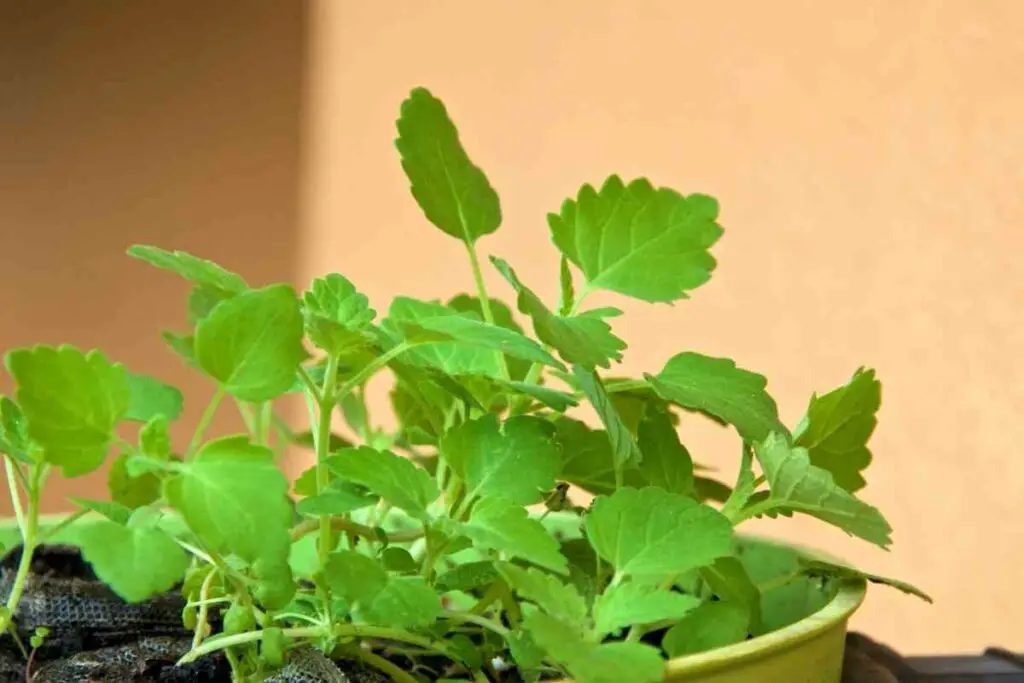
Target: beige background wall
(167, 122)
(868, 157)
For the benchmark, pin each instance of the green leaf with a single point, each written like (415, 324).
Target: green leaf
(517, 459)
(728, 579)
(191, 268)
(131, 492)
(650, 533)
(467, 577)
(647, 243)
(403, 602)
(798, 485)
(585, 340)
(339, 499)
(592, 663)
(183, 346)
(552, 398)
(337, 315)
(497, 524)
(819, 568)
(394, 478)
(151, 397)
(155, 438)
(666, 462)
(453, 193)
(705, 489)
(203, 299)
(354, 577)
(253, 344)
(456, 343)
(502, 316)
(625, 451)
(525, 653)
(746, 483)
(14, 439)
(710, 626)
(71, 401)
(587, 458)
(234, 498)
(548, 593)
(627, 604)
(567, 289)
(115, 512)
(399, 560)
(837, 427)
(117, 553)
(715, 386)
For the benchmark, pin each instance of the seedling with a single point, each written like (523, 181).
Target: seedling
(493, 529)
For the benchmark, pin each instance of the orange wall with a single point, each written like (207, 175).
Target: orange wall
(868, 157)
(168, 122)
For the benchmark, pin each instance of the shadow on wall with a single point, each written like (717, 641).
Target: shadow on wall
(171, 123)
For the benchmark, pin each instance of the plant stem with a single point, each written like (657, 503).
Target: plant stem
(309, 384)
(370, 368)
(64, 524)
(247, 416)
(485, 301)
(383, 665)
(28, 546)
(204, 609)
(477, 620)
(346, 525)
(266, 416)
(752, 511)
(322, 444)
(12, 487)
(204, 421)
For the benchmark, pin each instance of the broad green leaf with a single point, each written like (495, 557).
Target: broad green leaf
(584, 340)
(627, 604)
(547, 592)
(131, 492)
(468, 576)
(337, 315)
(235, 499)
(354, 577)
(728, 579)
(592, 663)
(457, 343)
(113, 511)
(798, 485)
(155, 438)
(253, 343)
(336, 500)
(705, 489)
(552, 398)
(405, 602)
(715, 386)
(193, 269)
(118, 554)
(710, 626)
(502, 315)
(452, 192)
(71, 401)
(517, 459)
(497, 524)
(587, 458)
(399, 560)
(14, 439)
(394, 478)
(666, 462)
(151, 397)
(650, 533)
(837, 427)
(819, 568)
(203, 299)
(625, 451)
(526, 654)
(645, 242)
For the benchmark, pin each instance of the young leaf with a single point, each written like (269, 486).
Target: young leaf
(666, 462)
(650, 534)
(131, 492)
(837, 427)
(453, 193)
(518, 459)
(155, 439)
(403, 602)
(711, 625)
(191, 268)
(625, 452)
(552, 398)
(115, 512)
(715, 386)
(394, 478)
(118, 553)
(459, 344)
(235, 499)
(798, 485)
(183, 346)
(728, 579)
(252, 344)
(71, 401)
(14, 439)
(548, 593)
(813, 568)
(203, 299)
(592, 663)
(632, 603)
(650, 244)
(354, 577)
(585, 340)
(151, 397)
(567, 289)
(497, 524)
(337, 315)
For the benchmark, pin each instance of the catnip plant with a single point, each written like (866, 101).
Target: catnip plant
(492, 529)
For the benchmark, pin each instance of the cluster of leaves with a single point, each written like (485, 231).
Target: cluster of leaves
(454, 536)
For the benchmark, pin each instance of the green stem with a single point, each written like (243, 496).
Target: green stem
(477, 620)
(204, 421)
(204, 609)
(12, 487)
(346, 525)
(752, 511)
(247, 417)
(369, 369)
(28, 546)
(266, 415)
(485, 300)
(490, 595)
(309, 384)
(322, 442)
(377, 662)
(64, 524)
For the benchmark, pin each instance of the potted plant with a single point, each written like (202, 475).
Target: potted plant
(493, 535)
